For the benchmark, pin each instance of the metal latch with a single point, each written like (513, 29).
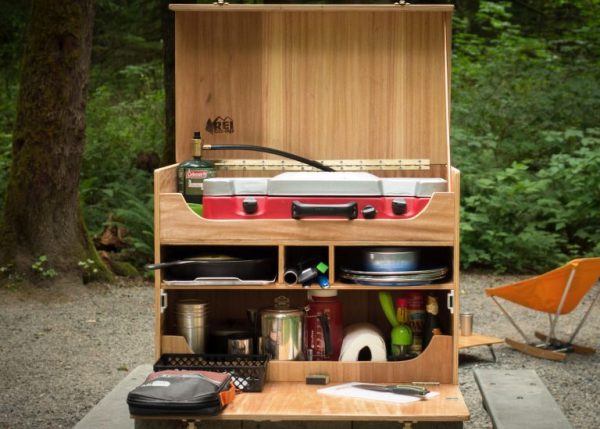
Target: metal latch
(450, 301)
(163, 301)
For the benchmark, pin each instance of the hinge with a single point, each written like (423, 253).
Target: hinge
(221, 3)
(450, 302)
(401, 3)
(163, 301)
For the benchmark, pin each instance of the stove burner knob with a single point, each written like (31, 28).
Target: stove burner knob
(369, 212)
(399, 206)
(250, 205)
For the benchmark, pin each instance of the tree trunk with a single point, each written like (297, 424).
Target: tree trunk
(42, 215)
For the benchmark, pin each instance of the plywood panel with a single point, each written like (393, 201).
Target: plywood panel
(341, 84)
(180, 225)
(300, 402)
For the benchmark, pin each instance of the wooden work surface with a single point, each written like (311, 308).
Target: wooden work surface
(298, 401)
(476, 340)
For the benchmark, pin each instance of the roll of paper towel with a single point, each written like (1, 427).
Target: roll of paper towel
(359, 336)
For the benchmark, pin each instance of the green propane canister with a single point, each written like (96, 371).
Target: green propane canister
(192, 173)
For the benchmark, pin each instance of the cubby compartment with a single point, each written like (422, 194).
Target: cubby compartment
(306, 265)
(215, 265)
(393, 266)
(226, 315)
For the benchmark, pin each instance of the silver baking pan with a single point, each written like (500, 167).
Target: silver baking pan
(218, 281)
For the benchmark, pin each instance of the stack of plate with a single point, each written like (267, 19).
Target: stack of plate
(393, 278)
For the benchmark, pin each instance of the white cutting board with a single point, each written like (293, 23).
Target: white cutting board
(348, 390)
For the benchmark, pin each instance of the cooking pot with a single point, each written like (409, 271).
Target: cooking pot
(383, 259)
(283, 331)
(244, 268)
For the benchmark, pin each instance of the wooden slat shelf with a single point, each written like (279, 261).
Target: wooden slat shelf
(298, 401)
(337, 286)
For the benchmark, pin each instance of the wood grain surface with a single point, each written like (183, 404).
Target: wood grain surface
(297, 401)
(477, 340)
(326, 83)
(180, 225)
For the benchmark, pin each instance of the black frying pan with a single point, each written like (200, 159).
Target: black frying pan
(262, 268)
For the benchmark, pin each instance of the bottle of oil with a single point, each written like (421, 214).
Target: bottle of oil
(432, 323)
(191, 173)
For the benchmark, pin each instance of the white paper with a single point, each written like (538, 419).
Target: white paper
(349, 391)
(359, 336)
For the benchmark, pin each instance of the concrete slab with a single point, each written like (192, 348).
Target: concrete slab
(112, 411)
(519, 399)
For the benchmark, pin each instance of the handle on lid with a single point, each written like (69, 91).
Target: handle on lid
(303, 210)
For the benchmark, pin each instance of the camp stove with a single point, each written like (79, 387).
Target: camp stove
(318, 195)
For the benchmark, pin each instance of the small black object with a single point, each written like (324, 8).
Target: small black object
(369, 212)
(399, 206)
(320, 379)
(248, 371)
(250, 205)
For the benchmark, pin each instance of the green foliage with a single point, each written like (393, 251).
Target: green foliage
(525, 133)
(122, 123)
(524, 112)
(41, 267)
(89, 269)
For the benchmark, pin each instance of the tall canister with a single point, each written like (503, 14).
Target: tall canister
(191, 323)
(416, 318)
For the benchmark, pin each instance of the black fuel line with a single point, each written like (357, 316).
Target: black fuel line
(272, 151)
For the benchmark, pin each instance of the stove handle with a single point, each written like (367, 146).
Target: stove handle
(303, 210)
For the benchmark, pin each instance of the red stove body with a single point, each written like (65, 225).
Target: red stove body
(318, 195)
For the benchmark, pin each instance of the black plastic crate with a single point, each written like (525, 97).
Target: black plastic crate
(248, 371)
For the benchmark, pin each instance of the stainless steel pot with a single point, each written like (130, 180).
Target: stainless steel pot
(282, 330)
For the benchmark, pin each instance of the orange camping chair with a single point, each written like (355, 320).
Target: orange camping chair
(556, 292)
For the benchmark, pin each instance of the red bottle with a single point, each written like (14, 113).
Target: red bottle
(324, 302)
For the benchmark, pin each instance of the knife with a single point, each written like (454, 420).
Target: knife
(398, 389)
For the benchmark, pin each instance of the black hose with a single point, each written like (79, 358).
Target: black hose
(278, 152)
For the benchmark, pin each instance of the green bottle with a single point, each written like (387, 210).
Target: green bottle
(192, 173)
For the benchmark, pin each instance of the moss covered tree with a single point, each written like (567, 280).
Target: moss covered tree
(42, 214)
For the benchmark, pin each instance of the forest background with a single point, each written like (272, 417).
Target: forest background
(525, 128)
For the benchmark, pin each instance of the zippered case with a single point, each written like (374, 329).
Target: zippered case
(182, 393)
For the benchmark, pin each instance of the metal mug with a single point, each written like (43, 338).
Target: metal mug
(191, 323)
(240, 344)
(466, 324)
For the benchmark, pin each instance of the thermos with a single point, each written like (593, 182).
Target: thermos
(327, 303)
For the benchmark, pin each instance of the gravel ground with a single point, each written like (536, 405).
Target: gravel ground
(63, 349)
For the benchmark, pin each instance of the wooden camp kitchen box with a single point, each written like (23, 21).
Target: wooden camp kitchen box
(369, 83)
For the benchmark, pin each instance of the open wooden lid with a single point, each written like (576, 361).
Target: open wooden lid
(325, 82)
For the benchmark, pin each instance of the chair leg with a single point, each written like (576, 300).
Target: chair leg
(511, 320)
(583, 319)
(536, 351)
(576, 348)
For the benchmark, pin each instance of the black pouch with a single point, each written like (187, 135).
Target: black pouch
(182, 393)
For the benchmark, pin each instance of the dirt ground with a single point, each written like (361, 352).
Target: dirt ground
(63, 349)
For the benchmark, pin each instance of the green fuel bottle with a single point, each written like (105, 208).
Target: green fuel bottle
(192, 173)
